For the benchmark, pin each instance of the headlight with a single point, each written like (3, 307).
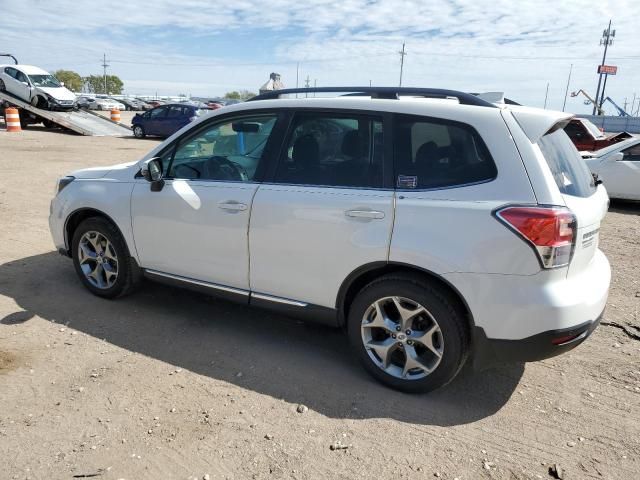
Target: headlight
(63, 182)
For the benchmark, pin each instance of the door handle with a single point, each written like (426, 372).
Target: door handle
(371, 214)
(232, 206)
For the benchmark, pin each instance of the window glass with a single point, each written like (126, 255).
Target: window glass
(174, 111)
(569, 170)
(11, 72)
(44, 81)
(574, 131)
(436, 154)
(21, 77)
(330, 150)
(632, 154)
(157, 112)
(229, 151)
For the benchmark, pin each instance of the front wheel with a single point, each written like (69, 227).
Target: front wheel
(408, 333)
(138, 132)
(101, 259)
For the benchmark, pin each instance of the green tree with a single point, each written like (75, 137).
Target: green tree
(239, 95)
(95, 84)
(72, 80)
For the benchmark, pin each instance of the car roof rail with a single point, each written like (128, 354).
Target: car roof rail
(382, 92)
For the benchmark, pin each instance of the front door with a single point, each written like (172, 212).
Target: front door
(324, 212)
(622, 177)
(196, 226)
(153, 123)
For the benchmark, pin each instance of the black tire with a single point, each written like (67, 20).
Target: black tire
(444, 309)
(2, 86)
(138, 131)
(48, 124)
(128, 276)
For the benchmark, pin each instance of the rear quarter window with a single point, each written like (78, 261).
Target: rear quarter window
(433, 153)
(569, 170)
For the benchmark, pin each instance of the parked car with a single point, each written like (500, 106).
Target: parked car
(587, 137)
(106, 104)
(155, 103)
(165, 120)
(36, 86)
(434, 231)
(618, 167)
(128, 104)
(86, 102)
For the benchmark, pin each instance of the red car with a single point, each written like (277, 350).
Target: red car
(586, 136)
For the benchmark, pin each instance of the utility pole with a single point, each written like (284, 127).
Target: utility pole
(633, 102)
(104, 71)
(402, 55)
(606, 40)
(546, 95)
(297, 75)
(307, 84)
(567, 89)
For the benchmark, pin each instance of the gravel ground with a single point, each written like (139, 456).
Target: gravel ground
(170, 384)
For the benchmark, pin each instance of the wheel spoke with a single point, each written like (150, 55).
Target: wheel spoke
(109, 251)
(413, 361)
(406, 315)
(383, 349)
(86, 253)
(426, 338)
(380, 320)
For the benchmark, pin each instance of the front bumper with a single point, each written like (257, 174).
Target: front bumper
(490, 352)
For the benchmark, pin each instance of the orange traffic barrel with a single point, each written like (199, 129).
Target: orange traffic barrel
(12, 119)
(115, 115)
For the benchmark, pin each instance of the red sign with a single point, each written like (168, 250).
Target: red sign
(607, 69)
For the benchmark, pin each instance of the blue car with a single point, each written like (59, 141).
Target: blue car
(165, 120)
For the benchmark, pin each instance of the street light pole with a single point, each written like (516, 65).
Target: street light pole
(402, 55)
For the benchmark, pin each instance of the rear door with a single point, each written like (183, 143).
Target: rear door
(153, 121)
(324, 211)
(587, 201)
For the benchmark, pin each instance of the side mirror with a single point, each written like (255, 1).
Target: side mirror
(152, 172)
(616, 157)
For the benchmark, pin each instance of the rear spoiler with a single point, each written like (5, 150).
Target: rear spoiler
(536, 122)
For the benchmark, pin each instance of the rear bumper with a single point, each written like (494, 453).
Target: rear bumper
(490, 352)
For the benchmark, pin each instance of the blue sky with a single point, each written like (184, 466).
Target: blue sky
(210, 47)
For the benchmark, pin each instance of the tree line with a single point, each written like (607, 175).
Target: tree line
(114, 86)
(91, 84)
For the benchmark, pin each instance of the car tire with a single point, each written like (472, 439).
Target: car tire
(2, 86)
(432, 344)
(48, 124)
(99, 253)
(138, 131)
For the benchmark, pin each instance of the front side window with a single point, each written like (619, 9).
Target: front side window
(333, 150)
(567, 167)
(11, 72)
(632, 154)
(227, 151)
(157, 112)
(21, 77)
(175, 111)
(431, 153)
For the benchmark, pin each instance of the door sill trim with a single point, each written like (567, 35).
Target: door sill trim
(271, 298)
(200, 283)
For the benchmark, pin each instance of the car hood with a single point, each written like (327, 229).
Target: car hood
(59, 93)
(122, 172)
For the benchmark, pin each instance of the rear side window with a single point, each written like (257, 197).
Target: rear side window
(325, 149)
(431, 153)
(569, 170)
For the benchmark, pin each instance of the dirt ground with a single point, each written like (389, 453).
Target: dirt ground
(169, 384)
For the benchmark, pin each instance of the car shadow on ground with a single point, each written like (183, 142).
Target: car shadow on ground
(626, 207)
(276, 356)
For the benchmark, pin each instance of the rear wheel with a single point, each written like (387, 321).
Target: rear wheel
(138, 131)
(2, 86)
(408, 334)
(101, 259)
(48, 124)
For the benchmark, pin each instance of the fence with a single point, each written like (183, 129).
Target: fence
(610, 123)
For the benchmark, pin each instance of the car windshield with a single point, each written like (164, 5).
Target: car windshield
(44, 81)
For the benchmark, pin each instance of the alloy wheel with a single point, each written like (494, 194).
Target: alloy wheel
(402, 338)
(98, 260)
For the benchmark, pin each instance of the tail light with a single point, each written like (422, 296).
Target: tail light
(551, 231)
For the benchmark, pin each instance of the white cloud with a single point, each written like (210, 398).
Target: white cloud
(468, 44)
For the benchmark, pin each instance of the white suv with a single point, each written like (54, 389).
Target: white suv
(430, 224)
